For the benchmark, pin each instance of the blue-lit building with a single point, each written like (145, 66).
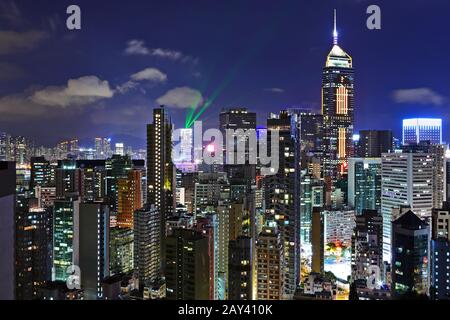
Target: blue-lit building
(422, 129)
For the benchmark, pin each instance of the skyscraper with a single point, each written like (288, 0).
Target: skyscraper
(240, 268)
(318, 240)
(367, 244)
(421, 130)
(92, 180)
(93, 248)
(7, 226)
(187, 270)
(208, 190)
(121, 250)
(185, 154)
(147, 244)
(410, 255)
(269, 254)
(128, 198)
(364, 183)
(438, 153)
(119, 149)
(407, 179)
(67, 178)
(373, 143)
(117, 167)
(4, 146)
(282, 197)
(233, 120)
(440, 253)
(311, 196)
(103, 148)
(311, 131)
(447, 177)
(160, 170)
(66, 230)
(42, 174)
(337, 110)
(207, 225)
(33, 247)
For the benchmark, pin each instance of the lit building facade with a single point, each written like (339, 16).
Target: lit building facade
(364, 183)
(406, 180)
(269, 255)
(282, 196)
(42, 174)
(311, 196)
(92, 183)
(33, 248)
(147, 250)
(129, 198)
(421, 130)
(339, 225)
(160, 173)
(337, 111)
(4, 146)
(103, 148)
(121, 250)
(66, 230)
(67, 178)
(367, 245)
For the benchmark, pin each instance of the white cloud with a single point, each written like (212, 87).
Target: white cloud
(182, 97)
(167, 53)
(274, 90)
(127, 86)
(418, 96)
(78, 92)
(149, 74)
(48, 101)
(138, 47)
(12, 41)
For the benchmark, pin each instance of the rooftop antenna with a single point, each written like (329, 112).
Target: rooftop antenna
(335, 33)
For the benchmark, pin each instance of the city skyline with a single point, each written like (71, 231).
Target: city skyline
(271, 64)
(181, 169)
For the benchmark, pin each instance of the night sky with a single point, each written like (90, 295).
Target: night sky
(264, 55)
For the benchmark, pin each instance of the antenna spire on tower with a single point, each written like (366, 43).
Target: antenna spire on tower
(335, 33)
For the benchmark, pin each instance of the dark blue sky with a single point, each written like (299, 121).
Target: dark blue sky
(263, 55)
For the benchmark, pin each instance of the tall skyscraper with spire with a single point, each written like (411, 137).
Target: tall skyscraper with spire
(337, 110)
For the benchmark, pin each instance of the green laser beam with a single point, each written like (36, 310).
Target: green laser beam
(259, 43)
(193, 107)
